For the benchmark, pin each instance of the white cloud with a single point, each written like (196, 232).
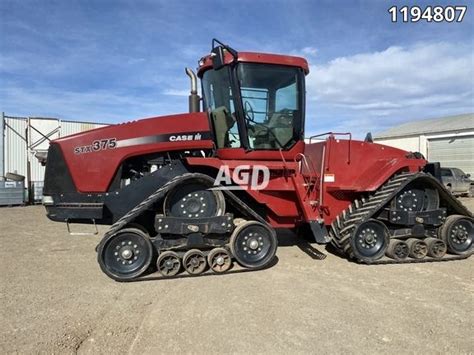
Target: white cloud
(399, 83)
(309, 51)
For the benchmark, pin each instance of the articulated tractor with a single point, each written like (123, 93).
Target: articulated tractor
(199, 191)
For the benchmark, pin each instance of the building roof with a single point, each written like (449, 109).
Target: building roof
(433, 125)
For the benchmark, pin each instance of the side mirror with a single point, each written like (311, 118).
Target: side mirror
(218, 57)
(468, 175)
(368, 138)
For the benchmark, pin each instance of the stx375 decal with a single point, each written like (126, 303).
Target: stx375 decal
(112, 143)
(97, 145)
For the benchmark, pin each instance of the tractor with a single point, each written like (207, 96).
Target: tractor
(202, 190)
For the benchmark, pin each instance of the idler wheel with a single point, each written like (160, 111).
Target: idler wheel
(194, 262)
(194, 200)
(436, 247)
(418, 248)
(219, 260)
(416, 197)
(168, 264)
(370, 240)
(125, 255)
(457, 232)
(253, 244)
(397, 249)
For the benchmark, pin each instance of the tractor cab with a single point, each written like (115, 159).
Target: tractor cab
(255, 101)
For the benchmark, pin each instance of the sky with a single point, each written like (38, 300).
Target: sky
(113, 61)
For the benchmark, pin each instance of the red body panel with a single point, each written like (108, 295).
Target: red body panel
(93, 171)
(279, 196)
(355, 167)
(350, 167)
(251, 57)
(241, 154)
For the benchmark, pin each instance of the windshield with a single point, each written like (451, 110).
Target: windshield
(272, 104)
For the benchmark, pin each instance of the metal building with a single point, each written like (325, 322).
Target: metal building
(448, 140)
(23, 138)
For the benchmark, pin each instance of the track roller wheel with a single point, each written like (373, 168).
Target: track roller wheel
(253, 244)
(397, 249)
(457, 232)
(436, 247)
(194, 262)
(418, 248)
(168, 264)
(125, 255)
(370, 240)
(194, 200)
(219, 260)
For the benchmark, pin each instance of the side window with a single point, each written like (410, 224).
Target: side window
(271, 99)
(286, 99)
(255, 103)
(446, 173)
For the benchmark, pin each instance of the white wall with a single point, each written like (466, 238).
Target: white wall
(419, 143)
(411, 144)
(19, 135)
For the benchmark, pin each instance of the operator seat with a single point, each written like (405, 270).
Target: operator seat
(223, 121)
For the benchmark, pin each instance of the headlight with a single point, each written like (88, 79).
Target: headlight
(48, 200)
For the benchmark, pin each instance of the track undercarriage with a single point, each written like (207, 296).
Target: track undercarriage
(411, 218)
(193, 233)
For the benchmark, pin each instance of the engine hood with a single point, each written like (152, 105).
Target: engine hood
(94, 156)
(169, 126)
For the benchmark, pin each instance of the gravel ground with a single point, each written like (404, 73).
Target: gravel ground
(55, 299)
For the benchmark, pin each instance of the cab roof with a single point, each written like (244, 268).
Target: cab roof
(205, 63)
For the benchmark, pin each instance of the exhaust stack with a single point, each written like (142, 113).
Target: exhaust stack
(194, 99)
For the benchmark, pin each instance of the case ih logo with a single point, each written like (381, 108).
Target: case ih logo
(246, 177)
(186, 137)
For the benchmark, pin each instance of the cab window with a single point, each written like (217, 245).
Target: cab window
(272, 103)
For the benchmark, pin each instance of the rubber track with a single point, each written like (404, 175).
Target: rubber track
(346, 224)
(160, 194)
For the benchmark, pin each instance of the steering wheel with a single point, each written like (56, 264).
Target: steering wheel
(249, 113)
(250, 117)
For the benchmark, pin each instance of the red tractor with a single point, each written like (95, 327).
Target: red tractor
(202, 189)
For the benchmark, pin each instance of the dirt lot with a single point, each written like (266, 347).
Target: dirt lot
(55, 299)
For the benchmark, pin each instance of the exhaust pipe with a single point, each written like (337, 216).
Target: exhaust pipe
(194, 99)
